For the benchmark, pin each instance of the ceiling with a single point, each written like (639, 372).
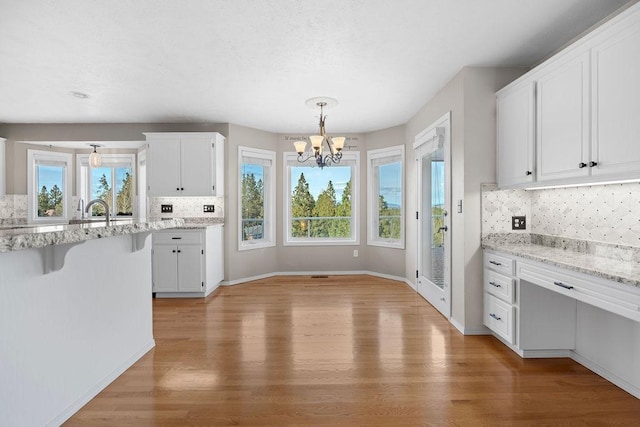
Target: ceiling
(254, 63)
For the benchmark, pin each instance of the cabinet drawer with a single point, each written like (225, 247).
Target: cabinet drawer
(499, 285)
(499, 317)
(499, 263)
(178, 237)
(610, 296)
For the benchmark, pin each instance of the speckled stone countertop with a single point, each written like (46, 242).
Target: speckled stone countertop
(612, 262)
(18, 238)
(196, 223)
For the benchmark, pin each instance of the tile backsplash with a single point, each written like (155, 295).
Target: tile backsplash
(13, 207)
(603, 213)
(191, 207)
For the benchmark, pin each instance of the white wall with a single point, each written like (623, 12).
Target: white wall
(67, 334)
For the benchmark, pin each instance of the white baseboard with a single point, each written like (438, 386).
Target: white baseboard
(314, 273)
(479, 330)
(545, 354)
(93, 391)
(180, 294)
(411, 284)
(606, 374)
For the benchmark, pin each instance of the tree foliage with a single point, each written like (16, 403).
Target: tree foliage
(252, 206)
(50, 203)
(390, 221)
(124, 198)
(327, 210)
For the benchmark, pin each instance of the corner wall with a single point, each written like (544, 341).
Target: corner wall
(470, 97)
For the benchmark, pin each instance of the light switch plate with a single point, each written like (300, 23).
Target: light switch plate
(208, 208)
(166, 208)
(518, 222)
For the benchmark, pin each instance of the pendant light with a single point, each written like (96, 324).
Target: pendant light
(95, 159)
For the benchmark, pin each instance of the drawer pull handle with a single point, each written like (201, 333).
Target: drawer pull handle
(562, 285)
(494, 316)
(494, 262)
(497, 285)
(176, 238)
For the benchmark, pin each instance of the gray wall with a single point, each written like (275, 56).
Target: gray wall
(16, 154)
(470, 97)
(244, 264)
(379, 259)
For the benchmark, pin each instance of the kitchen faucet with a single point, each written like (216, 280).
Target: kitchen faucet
(81, 207)
(100, 202)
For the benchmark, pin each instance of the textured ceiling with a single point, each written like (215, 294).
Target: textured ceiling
(255, 62)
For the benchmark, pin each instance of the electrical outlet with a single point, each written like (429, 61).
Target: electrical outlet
(208, 208)
(518, 222)
(166, 208)
(355, 253)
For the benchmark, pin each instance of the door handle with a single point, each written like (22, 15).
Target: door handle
(445, 228)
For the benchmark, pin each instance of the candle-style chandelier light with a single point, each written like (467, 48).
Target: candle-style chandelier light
(334, 144)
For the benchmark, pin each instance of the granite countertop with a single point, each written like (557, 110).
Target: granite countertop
(612, 262)
(196, 223)
(16, 238)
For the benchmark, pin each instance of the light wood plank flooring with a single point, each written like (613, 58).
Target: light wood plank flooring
(344, 350)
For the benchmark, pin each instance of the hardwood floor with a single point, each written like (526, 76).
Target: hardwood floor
(343, 350)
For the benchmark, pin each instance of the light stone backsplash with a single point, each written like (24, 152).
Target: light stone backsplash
(600, 213)
(498, 206)
(13, 208)
(186, 207)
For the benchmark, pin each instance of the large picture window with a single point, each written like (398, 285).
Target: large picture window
(321, 204)
(49, 185)
(112, 182)
(257, 200)
(385, 216)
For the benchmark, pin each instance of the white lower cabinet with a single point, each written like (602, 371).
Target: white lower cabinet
(187, 262)
(532, 321)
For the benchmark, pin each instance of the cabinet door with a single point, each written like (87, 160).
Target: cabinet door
(163, 170)
(197, 167)
(515, 133)
(616, 103)
(562, 137)
(165, 268)
(190, 268)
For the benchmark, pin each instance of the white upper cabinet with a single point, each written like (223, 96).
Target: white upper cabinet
(587, 111)
(515, 132)
(562, 112)
(185, 164)
(616, 103)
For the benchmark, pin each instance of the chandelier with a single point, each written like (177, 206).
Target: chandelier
(334, 144)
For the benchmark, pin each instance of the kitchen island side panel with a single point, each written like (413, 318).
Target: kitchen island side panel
(65, 335)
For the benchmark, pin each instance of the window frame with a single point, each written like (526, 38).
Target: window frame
(34, 156)
(108, 160)
(269, 185)
(373, 192)
(290, 158)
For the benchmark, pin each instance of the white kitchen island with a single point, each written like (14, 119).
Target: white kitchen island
(75, 313)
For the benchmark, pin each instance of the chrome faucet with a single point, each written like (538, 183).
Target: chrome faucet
(81, 207)
(100, 202)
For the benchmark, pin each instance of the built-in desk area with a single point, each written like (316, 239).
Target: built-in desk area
(539, 299)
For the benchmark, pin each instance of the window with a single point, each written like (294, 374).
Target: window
(257, 201)
(385, 216)
(49, 185)
(112, 182)
(321, 205)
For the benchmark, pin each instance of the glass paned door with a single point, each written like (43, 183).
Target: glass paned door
(433, 222)
(434, 228)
